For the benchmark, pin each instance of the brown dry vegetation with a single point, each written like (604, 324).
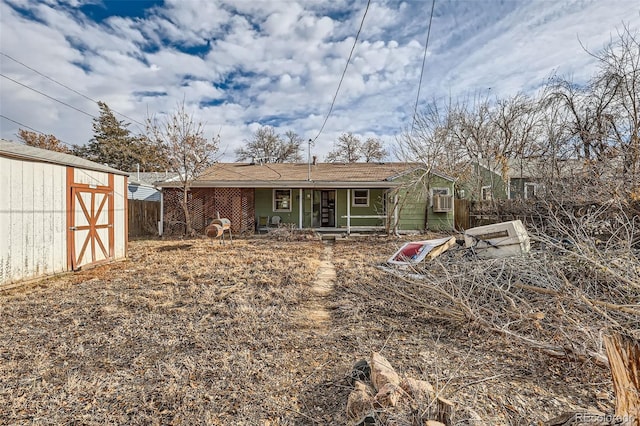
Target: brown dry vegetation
(190, 332)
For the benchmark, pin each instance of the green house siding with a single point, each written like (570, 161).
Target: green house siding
(264, 205)
(415, 209)
(375, 208)
(440, 221)
(483, 177)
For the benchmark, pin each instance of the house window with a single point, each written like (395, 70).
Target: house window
(360, 198)
(281, 200)
(530, 190)
(485, 193)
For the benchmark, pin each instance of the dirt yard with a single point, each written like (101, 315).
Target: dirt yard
(190, 332)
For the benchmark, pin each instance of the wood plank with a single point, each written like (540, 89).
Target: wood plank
(624, 362)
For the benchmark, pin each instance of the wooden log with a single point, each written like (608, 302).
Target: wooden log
(382, 372)
(359, 404)
(624, 362)
(444, 411)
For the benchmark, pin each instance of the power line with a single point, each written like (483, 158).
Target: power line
(65, 86)
(345, 71)
(32, 129)
(117, 192)
(424, 59)
(50, 97)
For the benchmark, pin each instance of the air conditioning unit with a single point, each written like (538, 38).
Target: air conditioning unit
(442, 203)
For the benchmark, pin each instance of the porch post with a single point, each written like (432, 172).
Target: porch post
(161, 222)
(348, 211)
(301, 202)
(395, 213)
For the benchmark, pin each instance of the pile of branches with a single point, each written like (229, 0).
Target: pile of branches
(574, 288)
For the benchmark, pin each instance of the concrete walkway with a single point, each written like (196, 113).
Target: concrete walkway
(314, 313)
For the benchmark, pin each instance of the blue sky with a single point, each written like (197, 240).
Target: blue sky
(240, 64)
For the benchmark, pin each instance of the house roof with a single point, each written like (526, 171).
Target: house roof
(29, 153)
(299, 175)
(150, 178)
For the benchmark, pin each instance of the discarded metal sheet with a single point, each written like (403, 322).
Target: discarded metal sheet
(417, 251)
(504, 239)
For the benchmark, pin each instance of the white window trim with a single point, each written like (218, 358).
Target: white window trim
(535, 190)
(482, 198)
(273, 199)
(353, 198)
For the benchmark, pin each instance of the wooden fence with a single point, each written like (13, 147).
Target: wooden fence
(462, 214)
(143, 218)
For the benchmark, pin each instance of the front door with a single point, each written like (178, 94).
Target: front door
(328, 206)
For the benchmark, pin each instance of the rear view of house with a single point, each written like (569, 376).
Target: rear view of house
(58, 212)
(331, 197)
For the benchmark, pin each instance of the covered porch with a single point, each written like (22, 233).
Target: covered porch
(329, 210)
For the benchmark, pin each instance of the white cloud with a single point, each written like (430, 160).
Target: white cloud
(282, 60)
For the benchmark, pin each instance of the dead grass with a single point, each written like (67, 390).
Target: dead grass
(189, 332)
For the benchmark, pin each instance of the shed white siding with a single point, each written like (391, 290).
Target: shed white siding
(58, 212)
(34, 208)
(90, 177)
(121, 216)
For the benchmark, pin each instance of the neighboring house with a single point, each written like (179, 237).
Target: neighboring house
(323, 196)
(145, 209)
(142, 185)
(514, 179)
(58, 212)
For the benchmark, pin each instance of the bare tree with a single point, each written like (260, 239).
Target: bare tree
(189, 151)
(43, 141)
(348, 150)
(267, 146)
(428, 141)
(620, 73)
(373, 150)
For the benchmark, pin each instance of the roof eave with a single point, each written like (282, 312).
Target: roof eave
(283, 184)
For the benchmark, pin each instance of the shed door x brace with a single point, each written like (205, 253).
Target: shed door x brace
(90, 217)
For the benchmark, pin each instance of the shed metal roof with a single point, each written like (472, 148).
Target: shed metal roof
(29, 153)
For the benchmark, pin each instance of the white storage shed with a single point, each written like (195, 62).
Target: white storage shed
(58, 212)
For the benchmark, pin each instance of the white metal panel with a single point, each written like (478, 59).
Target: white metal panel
(17, 253)
(89, 177)
(120, 217)
(5, 219)
(58, 219)
(41, 239)
(32, 219)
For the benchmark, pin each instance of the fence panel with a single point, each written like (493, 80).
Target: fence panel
(143, 218)
(462, 218)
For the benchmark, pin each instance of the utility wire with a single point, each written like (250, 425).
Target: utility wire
(65, 86)
(424, 59)
(34, 130)
(345, 71)
(116, 192)
(50, 97)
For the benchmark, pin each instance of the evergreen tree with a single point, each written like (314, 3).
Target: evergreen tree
(113, 144)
